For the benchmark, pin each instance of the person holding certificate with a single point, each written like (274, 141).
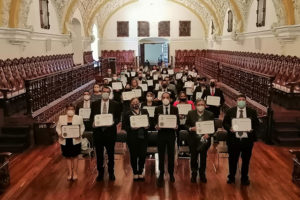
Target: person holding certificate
(83, 109)
(210, 94)
(199, 143)
(240, 142)
(201, 87)
(136, 139)
(117, 91)
(96, 92)
(150, 104)
(70, 128)
(105, 136)
(166, 136)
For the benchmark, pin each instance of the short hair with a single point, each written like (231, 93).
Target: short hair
(182, 92)
(131, 100)
(166, 93)
(106, 87)
(71, 105)
(241, 95)
(199, 100)
(151, 93)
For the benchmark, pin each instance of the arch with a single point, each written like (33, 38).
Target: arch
(239, 18)
(14, 13)
(77, 40)
(67, 16)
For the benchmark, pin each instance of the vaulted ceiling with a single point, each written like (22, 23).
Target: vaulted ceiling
(14, 13)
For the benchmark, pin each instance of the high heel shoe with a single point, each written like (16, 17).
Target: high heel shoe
(69, 178)
(74, 178)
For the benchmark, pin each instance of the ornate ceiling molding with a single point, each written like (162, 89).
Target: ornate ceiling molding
(71, 7)
(24, 11)
(61, 6)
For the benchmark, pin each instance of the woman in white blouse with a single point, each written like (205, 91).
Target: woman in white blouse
(70, 147)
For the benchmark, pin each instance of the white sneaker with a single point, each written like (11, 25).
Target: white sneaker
(135, 176)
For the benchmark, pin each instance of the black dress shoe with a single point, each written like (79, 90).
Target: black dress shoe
(203, 179)
(160, 181)
(100, 176)
(245, 182)
(112, 177)
(172, 178)
(193, 179)
(230, 181)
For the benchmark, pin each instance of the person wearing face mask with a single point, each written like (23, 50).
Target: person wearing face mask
(105, 136)
(201, 86)
(136, 140)
(195, 140)
(109, 73)
(96, 92)
(150, 103)
(166, 138)
(212, 90)
(116, 93)
(86, 104)
(240, 142)
(171, 85)
(70, 147)
(164, 88)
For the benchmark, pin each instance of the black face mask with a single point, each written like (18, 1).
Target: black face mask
(135, 106)
(164, 86)
(157, 70)
(189, 79)
(127, 89)
(140, 78)
(212, 84)
(182, 99)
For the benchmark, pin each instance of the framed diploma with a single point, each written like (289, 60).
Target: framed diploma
(159, 94)
(156, 86)
(117, 86)
(144, 87)
(189, 84)
(103, 120)
(132, 74)
(178, 75)
(167, 121)
(170, 71)
(139, 121)
(150, 82)
(137, 92)
(150, 109)
(241, 124)
(213, 100)
(155, 77)
(198, 95)
(183, 109)
(205, 127)
(126, 96)
(70, 131)
(85, 113)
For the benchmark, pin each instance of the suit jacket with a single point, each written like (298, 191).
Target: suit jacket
(198, 89)
(159, 111)
(63, 120)
(193, 117)
(114, 109)
(231, 113)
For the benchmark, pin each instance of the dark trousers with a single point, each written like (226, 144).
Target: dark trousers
(237, 147)
(166, 141)
(194, 157)
(137, 150)
(109, 145)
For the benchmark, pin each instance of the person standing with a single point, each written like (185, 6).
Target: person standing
(240, 143)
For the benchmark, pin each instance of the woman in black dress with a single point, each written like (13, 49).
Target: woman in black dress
(70, 147)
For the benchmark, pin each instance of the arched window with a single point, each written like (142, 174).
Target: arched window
(261, 13)
(44, 14)
(230, 21)
(94, 45)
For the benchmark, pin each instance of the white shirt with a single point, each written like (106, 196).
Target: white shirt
(107, 105)
(212, 90)
(164, 109)
(245, 135)
(86, 104)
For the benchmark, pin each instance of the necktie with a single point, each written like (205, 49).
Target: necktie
(212, 92)
(167, 111)
(241, 114)
(104, 111)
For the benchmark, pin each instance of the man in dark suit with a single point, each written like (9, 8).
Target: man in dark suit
(213, 91)
(86, 104)
(166, 138)
(201, 87)
(195, 140)
(164, 88)
(105, 136)
(240, 142)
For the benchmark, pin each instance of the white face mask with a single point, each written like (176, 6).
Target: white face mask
(200, 108)
(105, 95)
(70, 113)
(86, 97)
(149, 98)
(166, 102)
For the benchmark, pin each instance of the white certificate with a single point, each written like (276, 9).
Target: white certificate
(213, 100)
(205, 127)
(159, 94)
(70, 131)
(167, 121)
(183, 109)
(103, 120)
(178, 75)
(171, 71)
(85, 113)
(164, 76)
(132, 73)
(241, 124)
(144, 87)
(155, 77)
(138, 92)
(139, 121)
(117, 86)
(156, 86)
(198, 95)
(126, 96)
(189, 84)
(150, 82)
(150, 109)
(189, 91)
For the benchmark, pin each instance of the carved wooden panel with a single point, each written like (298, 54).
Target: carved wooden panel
(123, 29)
(143, 29)
(164, 29)
(184, 28)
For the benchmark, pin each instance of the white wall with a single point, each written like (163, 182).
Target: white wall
(157, 11)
